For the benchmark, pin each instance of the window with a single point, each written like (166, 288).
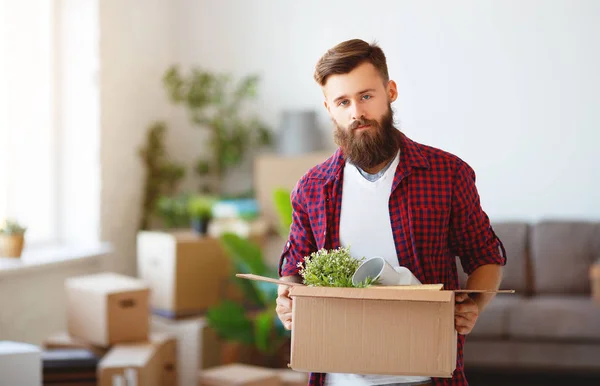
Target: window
(49, 118)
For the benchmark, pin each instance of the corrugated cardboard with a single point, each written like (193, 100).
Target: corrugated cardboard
(107, 308)
(400, 330)
(134, 364)
(595, 281)
(373, 331)
(63, 340)
(273, 171)
(186, 272)
(20, 364)
(239, 375)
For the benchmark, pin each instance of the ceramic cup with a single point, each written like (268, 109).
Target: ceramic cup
(377, 267)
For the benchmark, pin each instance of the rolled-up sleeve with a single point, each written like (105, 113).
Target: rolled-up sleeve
(301, 241)
(472, 238)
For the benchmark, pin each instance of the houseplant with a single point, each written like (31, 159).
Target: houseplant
(216, 104)
(253, 326)
(162, 176)
(200, 212)
(12, 238)
(173, 211)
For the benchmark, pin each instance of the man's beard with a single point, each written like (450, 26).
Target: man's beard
(372, 146)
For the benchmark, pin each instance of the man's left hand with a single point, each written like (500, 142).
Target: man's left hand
(466, 312)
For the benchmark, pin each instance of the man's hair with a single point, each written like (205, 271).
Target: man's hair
(348, 55)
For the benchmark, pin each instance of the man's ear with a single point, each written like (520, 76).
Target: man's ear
(326, 106)
(392, 91)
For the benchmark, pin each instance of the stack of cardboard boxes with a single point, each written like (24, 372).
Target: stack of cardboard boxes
(108, 314)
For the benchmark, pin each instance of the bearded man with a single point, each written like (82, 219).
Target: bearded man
(385, 195)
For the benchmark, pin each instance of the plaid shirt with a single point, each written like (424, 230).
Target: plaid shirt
(435, 215)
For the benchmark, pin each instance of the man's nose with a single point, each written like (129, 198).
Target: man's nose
(357, 111)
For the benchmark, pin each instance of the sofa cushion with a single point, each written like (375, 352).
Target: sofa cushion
(493, 321)
(555, 318)
(516, 273)
(561, 253)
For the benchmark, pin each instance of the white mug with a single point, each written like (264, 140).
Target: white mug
(378, 268)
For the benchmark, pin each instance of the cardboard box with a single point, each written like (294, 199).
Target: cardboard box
(187, 273)
(239, 375)
(166, 346)
(131, 365)
(393, 330)
(63, 340)
(107, 308)
(20, 364)
(373, 331)
(273, 171)
(595, 281)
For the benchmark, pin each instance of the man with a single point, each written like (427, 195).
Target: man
(386, 195)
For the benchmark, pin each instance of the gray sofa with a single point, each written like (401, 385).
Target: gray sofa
(551, 322)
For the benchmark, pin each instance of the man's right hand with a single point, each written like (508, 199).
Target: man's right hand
(284, 302)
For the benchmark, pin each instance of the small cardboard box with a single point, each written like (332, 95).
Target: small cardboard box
(131, 365)
(107, 308)
(20, 364)
(166, 345)
(399, 330)
(595, 281)
(187, 273)
(239, 375)
(63, 340)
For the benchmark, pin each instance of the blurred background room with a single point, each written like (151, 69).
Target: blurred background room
(148, 149)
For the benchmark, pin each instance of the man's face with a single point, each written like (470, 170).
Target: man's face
(359, 104)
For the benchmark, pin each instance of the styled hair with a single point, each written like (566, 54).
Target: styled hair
(346, 56)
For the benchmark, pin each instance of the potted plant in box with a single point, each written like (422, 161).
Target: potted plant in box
(12, 238)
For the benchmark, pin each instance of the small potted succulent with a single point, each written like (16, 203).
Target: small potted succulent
(12, 238)
(332, 268)
(200, 211)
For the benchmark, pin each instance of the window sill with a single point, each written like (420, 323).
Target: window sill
(51, 257)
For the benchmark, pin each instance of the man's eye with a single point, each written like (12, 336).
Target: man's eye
(344, 102)
(366, 97)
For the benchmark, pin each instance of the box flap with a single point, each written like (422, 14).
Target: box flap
(427, 294)
(128, 355)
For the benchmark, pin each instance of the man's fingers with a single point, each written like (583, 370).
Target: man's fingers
(463, 325)
(461, 297)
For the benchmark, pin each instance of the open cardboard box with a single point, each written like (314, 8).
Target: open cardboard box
(395, 330)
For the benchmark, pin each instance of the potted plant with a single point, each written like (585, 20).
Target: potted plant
(12, 238)
(200, 211)
(332, 268)
(252, 328)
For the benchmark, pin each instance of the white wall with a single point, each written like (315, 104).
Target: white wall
(509, 86)
(134, 51)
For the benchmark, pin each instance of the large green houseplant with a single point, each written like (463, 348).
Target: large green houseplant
(255, 324)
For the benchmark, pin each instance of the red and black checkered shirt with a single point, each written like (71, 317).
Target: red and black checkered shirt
(435, 214)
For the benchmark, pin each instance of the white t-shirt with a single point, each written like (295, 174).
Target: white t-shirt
(365, 227)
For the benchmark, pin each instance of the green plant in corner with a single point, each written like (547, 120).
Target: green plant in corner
(214, 103)
(12, 238)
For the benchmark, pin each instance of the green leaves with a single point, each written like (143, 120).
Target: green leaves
(230, 321)
(333, 268)
(283, 206)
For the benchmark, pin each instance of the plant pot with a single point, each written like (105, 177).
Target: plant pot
(200, 225)
(11, 245)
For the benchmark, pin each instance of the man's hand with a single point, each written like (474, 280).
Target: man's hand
(466, 312)
(284, 302)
